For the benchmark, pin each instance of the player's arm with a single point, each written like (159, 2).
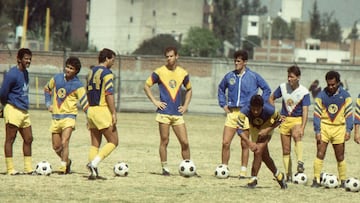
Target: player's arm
(357, 120)
(48, 88)
(5, 88)
(274, 96)
(83, 99)
(222, 95)
(264, 86)
(356, 134)
(349, 119)
(317, 117)
(305, 112)
(184, 107)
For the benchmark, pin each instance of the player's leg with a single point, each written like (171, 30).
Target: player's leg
(286, 149)
(112, 139)
(65, 139)
(339, 150)
(10, 135)
(26, 134)
(228, 135)
(244, 157)
(56, 143)
(164, 130)
(296, 133)
(256, 165)
(96, 137)
(181, 134)
(319, 161)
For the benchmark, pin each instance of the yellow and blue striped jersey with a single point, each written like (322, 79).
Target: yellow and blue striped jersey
(63, 96)
(357, 111)
(170, 83)
(99, 84)
(333, 109)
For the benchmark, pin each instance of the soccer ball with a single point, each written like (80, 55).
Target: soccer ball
(43, 168)
(187, 168)
(322, 178)
(222, 171)
(121, 169)
(300, 178)
(352, 185)
(331, 181)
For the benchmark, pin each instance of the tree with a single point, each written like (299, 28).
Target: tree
(279, 29)
(156, 45)
(315, 22)
(200, 42)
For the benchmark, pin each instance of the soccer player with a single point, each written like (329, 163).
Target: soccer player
(357, 121)
(170, 109)
(295, 107)
(62, 93)
(333, 122)
(101, 115)
(14, 95)
(259, 119)
(234, 92)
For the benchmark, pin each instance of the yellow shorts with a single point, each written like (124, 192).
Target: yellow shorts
(334, 134)
(254, 132)
(17, 117)
(99, 117)
(289, 123)
(170, 119)
(232, 120)
(58, 125)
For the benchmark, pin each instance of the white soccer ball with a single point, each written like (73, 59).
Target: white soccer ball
(331, 181)
(187, 168)
(222, 171)
(121, 169)
(300, 178)
(323, 178)
(352, 185)
(43, 168)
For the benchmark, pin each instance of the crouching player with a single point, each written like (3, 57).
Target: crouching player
(259, 120)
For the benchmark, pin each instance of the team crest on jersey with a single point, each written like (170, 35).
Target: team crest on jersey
(172, 84)
(61, 93)
(232, 81)
(258, 121)
(333, 108)
(290, 102)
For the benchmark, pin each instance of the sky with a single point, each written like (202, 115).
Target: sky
(345, 11)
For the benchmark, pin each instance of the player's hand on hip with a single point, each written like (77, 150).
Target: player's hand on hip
(160, 105)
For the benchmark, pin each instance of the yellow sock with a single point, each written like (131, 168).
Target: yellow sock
(342, 169)
(9, 165)
(318, 164)
(93, 152)
(106, 150)
(299, 150)
(27, 164)
(279, 176)
(286, 160)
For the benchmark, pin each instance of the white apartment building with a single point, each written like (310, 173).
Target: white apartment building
(122, 25)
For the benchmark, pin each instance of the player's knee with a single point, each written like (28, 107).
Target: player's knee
(340, 158)
(28, 140)
(57, 148)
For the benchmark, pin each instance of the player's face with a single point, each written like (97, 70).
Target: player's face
(171, 58)
(25, 61)
(256, 110)
(332, 85)
(110, 61)
(293, 80)
(239, 64)
(70, 71)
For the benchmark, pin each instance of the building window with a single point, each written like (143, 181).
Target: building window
(253, 24)
(321, 60)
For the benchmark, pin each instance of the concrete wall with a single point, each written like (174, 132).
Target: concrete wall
(131, 72)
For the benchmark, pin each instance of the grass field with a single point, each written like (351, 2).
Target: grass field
(139, 139)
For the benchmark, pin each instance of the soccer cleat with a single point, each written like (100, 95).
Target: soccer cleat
(252, 183)
(165, 172)
(242, 175)
(289, 178)
(68, 167)
(315, 184)
(32, 173)
(93, 171)
(62, 170)
(281, 180)
(14, 173)
(342, 184)
(300, 167)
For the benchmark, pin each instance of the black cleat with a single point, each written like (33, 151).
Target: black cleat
(281, 180)
(300, 167)
(315, 184)
(252, 183)
(165, 172)
(93, 171)
(68, 167)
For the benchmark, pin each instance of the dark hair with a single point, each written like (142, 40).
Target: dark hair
(75, 62)
(21, 53)
(242, 54)
(105, 53)
(257, 101)
(167, 49)
(294, 69)
(331, 75)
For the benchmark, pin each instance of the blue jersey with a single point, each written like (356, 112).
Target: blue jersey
(15, 88)
(333, 109)
(99, 84)
(357, 111)
(240, 88)
(63, 96)
(292, 100)
(170, 83)
(267, 118)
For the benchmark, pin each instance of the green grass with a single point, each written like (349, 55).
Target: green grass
(138, 146)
